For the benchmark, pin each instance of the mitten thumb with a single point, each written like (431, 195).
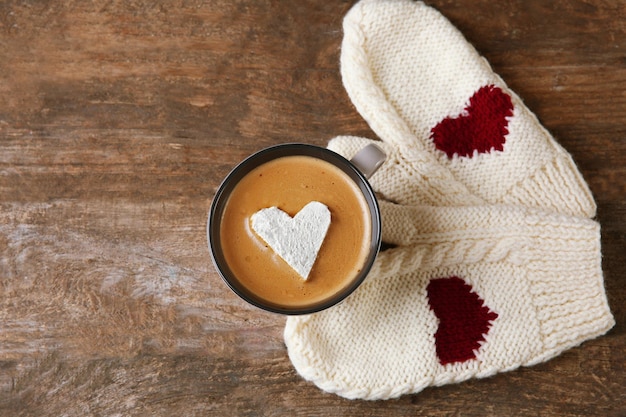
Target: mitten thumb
(407, 183)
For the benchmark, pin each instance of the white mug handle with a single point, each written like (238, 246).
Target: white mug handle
(369, 159)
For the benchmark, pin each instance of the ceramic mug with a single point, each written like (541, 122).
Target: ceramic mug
(295, 173)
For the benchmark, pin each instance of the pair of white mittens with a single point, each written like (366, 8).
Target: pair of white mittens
(496, 263)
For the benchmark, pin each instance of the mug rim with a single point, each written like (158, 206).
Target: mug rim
(263, 156)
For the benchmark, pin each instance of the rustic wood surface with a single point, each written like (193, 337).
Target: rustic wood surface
(118, 120)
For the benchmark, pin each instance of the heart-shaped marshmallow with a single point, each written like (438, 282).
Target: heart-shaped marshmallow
(297, 240)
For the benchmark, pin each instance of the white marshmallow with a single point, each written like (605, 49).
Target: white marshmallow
(296, 240)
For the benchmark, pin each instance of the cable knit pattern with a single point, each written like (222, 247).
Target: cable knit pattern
(495, 260)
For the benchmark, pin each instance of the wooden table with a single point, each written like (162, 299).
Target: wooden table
(118, 120)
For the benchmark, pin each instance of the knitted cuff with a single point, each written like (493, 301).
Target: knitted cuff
(567, 292)
(425, 90)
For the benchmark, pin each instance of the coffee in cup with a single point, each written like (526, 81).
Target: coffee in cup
(288, 179)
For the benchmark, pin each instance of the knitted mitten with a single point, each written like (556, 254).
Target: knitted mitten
(495, 264)
(467, 293)
(455, 134)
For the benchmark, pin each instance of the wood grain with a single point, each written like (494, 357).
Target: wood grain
(118, 120)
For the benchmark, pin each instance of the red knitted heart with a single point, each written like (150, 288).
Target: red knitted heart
(463, 319)
(481, 127)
